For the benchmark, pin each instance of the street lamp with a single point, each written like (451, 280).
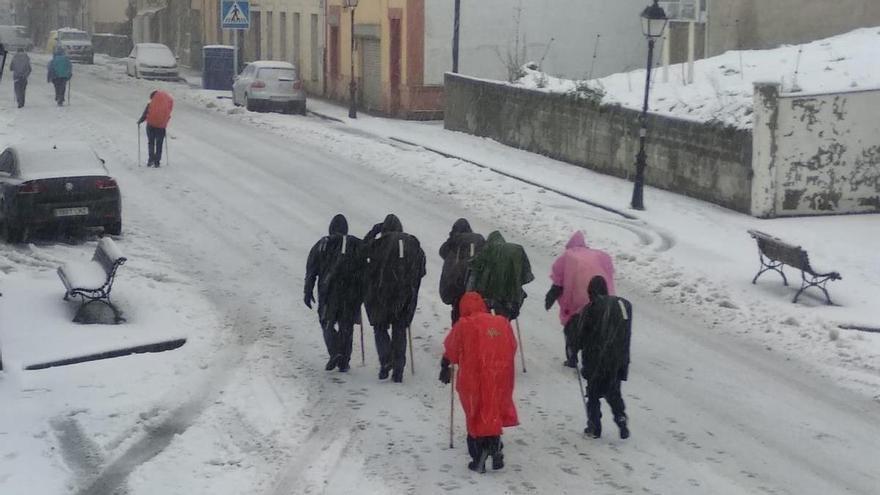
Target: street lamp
(455, 26)
(653, 24)
(3, 53)
(352, 86)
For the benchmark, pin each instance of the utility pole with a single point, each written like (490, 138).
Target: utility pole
(455, 31)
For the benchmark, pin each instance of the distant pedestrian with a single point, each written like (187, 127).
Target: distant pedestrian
(457, 252)
(605, 329)
(483, 347)
(60, 73)
(499, 273)
(21, 70)
(571, 274)
(157, 114)
(335, 263)
(395, 265)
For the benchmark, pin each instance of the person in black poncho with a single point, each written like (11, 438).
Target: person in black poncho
(457, 252)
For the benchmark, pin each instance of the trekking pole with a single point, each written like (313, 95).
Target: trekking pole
(451, 404)
(69, 86)
(582, 391)
(139, 144)
(363, 354)
(167, 151)
(522, 352)
(412, 361)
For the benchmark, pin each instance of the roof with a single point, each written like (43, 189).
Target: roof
(70, 30)
(151, 45)
(272, 64)
(40, 160)
(220, 46)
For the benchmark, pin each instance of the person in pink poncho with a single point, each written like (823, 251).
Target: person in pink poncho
(571, 274)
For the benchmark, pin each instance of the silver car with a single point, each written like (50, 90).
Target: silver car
(15, 37)
(152, 61)
(269, 85)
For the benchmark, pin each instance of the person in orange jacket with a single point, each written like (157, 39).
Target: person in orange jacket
(484, 348)
(157, 114)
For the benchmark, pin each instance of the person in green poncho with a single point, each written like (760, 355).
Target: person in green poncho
(499, 273)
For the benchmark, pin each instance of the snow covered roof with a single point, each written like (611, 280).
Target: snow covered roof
(69, 30)
(272, 64)
(40, 160)
(152, 45)
(219, 46)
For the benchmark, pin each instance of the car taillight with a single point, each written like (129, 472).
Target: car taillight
(31, 188)
(298, 84)
(105, 184)
(258, 84)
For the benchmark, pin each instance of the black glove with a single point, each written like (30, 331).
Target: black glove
(445, 372)
(552, 296)
(308, 298)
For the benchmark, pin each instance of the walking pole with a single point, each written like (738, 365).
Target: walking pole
(167, 151)
(361, 325)
(412, 361)
(522, 352)
(582, 391)
(69, 86)
(139, 144)
(451, 404)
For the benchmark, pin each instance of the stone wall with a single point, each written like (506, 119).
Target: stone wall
(706, 162)
(815, 154)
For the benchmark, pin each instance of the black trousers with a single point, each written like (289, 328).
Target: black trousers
(392, 348)
(60, 89)
(476, 445)
(20, 89)
(155, 141)
(610, 390)
(338, 338)
(571, 340)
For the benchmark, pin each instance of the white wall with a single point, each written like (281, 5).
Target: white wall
(488, 28)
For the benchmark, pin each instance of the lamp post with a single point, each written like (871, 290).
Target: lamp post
(352, 86)
(455, 25)
(3, 53)
(653, 24)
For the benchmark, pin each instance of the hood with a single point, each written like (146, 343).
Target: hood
(577, 240)
(495, 238)
(391, 224)
(339, 225)
(461, 226)
(472, 303)
(597, 287)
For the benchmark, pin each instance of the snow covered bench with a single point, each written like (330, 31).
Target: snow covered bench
(775, 252)
(92, 281)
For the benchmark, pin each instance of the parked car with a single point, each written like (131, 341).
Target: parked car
(152, 61)
(15, 37)
(76, 43)
(66, 184)
(268, 85)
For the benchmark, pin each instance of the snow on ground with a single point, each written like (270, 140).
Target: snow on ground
(217, 240)
(722, 90)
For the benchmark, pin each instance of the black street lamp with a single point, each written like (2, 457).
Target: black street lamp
(455, 25)
(352, 86)
(653, 24)
(3, 53)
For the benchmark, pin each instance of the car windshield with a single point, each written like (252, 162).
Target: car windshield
(276, 74)
(73, 36)
(156, 55)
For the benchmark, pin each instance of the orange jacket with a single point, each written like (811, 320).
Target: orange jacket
(484, 348)
(159, 110)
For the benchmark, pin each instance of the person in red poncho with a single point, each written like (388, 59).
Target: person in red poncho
(157, 114)
(484, 348)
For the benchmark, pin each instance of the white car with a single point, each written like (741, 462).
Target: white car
(152, 61)
(269, 85)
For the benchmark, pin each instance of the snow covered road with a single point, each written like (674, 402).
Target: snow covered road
(235, 212)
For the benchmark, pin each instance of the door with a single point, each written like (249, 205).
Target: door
(371, 77)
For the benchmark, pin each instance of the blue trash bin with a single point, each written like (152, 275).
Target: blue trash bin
(217, 67)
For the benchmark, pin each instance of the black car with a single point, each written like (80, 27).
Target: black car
(62, 185)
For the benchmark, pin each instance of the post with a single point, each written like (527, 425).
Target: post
(352, 87)
(235, 52)
(637, 197)
(455, 31)
(666, 55)
(691, 43)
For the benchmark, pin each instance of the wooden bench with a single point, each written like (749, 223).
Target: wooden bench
(774, 253)
(92, 281)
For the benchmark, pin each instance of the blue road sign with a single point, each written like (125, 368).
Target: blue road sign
(235, 14)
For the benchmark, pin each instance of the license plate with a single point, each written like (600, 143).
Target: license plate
(71, 212)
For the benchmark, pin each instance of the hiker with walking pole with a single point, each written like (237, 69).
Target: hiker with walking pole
(395, 265)
(157, 114)
(484, 348)
(60, 73)
(335, 262)
(499, 273)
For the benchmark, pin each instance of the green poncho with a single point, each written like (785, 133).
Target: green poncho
(500, 270)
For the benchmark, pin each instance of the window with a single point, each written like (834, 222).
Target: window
(334, 51)
(316, 50)
(297, 39)
(270, 39)
(6, 163)
(283, 27)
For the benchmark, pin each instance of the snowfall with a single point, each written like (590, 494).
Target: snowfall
(733, 388)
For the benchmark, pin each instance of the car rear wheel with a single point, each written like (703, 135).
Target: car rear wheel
(114, 228)
(12, 233)
(251, 104)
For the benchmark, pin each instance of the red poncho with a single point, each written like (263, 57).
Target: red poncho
(484, 348)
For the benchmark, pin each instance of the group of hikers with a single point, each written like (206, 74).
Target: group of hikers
(60, 71)
(482, 280)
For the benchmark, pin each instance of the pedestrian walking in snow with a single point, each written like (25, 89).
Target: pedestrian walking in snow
(605, 330)
(60, 73)
(499, 273)
(157, 114)
(570, 275)
(483, 347)
(395, 265)
(21, 70)
(457, 252)
(335, 263)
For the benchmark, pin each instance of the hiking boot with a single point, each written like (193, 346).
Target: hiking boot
(593, 430)
(397, 376)
(384, 371)
(624, 430)
(479, 465)
(332, 363)
(343, 366)
(570, 363)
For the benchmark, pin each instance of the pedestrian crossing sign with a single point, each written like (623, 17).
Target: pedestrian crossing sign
(235, 14)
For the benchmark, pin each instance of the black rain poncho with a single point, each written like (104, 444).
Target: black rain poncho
(605, 331)
(336, 262)
(457, 252)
